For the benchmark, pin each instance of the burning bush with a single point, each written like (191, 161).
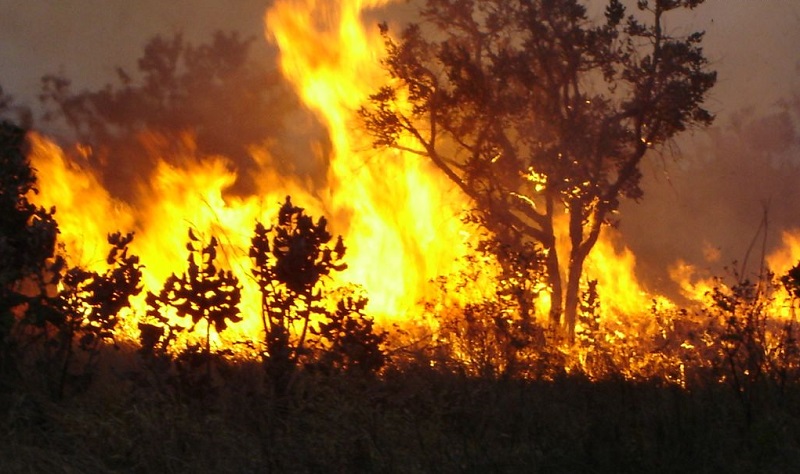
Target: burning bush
(304, 323)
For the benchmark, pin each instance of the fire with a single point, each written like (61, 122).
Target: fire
(787, 256)
(694, 285)
(86, 213)
(174, 199)
(624, 300)
(400, 217)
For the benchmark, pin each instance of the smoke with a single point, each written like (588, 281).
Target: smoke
(704, 200)
(706, 197)
(87, 40)
(710, 206)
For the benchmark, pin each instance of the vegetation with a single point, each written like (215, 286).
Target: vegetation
(202, 293)
(27, 242)
(214, 92)
(289, 271)
(533, 111)
(716, 388)
(488, 388)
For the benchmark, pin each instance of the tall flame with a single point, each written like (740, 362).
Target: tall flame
(400, 217)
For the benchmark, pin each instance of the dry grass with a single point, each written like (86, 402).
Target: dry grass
(415, 421)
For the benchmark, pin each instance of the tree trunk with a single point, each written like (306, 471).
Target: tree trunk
(557, 293)
(571, 298)
(579, 249)
(552, 265)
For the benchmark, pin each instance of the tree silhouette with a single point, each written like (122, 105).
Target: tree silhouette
(534, 112)
(28, 233)
(288, 271)
(214, 91)
(87, 309)
(352, 344)
(203, 293)
(290, 262)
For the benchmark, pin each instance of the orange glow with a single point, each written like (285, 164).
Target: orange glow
(693, 283)
(85, 211)
(788, 255)
(399, 216)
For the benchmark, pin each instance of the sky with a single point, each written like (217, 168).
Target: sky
(703, 201)
(751, 41)
(87, 39)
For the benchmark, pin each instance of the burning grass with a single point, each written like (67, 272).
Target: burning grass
(714, 389)
(474, 384)
(258, 351)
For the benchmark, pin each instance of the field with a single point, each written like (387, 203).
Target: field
(419, 419)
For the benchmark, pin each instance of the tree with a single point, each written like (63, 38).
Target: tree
(353, 345)
(203, 293)
(27, 232)
(288, 271)
(27, 237)
(534, 112)
(214, 91)
(87, 309)
(290, 263)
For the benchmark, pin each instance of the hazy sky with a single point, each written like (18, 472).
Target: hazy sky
(712, 197)
(87, 39)
(753, 42)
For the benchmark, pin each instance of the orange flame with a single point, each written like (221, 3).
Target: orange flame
(399, 216)
(400, 219)
(787, 256)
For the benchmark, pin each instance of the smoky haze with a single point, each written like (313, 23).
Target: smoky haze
(704, 199)
(707, 197)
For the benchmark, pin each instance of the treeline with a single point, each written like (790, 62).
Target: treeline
(324, 373)
(61, 318)
(70, 314)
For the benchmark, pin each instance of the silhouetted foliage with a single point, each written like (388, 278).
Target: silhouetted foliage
(291, 261)
(497, 335)
(214, 91)
(753, 348)
(532, 111)
(86, 312)
(792, 281)
(202, 293)
(502, 398)
(350, 341)
(590, 333)
(27, 240)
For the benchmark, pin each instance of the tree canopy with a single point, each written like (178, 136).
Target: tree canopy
(215, 91)
(27, 232)
(535, 111)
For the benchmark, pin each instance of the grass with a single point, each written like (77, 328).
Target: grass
(419, 420)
